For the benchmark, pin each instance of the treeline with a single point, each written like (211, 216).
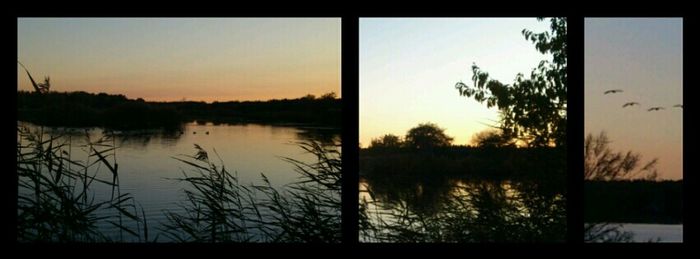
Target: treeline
(82, 109)
(634, 201)
(546, 164)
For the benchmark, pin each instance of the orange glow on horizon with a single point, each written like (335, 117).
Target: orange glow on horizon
(170, 59)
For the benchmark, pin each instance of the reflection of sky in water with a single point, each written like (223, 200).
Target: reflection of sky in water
(459, 188)
(146, 160)
(381, 206)
(655, 232)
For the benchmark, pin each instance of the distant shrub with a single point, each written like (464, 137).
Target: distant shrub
(427, 136)
(387, 141)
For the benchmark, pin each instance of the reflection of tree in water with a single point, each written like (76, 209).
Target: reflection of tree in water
(326, 136)
(420, 195)
(459, 194)
(132, 138)
(458, 210)
(141, 138)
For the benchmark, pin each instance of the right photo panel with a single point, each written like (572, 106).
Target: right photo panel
(633, 147)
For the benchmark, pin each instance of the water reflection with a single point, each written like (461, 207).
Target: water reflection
(327, 136)
(147, 167)
(170, 137)
(461, 210)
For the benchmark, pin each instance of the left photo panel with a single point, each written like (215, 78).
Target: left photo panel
(179, 130)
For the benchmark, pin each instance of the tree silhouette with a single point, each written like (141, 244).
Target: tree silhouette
(603, 164)
(386, 141)
(534, 109)
(427, 136)
(490, 138)
(329, 96)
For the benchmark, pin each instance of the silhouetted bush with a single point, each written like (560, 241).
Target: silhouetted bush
(427, 136)
(386, 141)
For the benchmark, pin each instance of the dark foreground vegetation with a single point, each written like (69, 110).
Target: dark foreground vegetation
(81, 109)
(220, 209)
(634, 202)
(56, 191)
(463, 194)
(57, 199)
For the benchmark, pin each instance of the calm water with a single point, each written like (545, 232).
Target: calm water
(655, 232)
(146, 164)
(386, 198)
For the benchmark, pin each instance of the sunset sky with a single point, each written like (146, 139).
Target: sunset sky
(192, 58)
(409, 67)
(644, 58)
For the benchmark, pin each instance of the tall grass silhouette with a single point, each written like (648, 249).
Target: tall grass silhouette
(38, 87)
(56, 198)
(220, 209)
(480, 211)
(490, 193)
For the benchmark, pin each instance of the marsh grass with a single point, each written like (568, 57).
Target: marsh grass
(218, 208)
(482, 211)
(214, 207)
(56, 197)
(463, 194)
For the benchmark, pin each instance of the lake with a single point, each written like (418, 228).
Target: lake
(655, 232)
(461, 210)
(147, 168)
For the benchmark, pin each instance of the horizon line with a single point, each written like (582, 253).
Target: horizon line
(316, 97)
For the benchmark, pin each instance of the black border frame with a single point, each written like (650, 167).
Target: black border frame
(350, 90)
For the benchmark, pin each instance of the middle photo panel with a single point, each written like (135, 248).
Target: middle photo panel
(462, 129)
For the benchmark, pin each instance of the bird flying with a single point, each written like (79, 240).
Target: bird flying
(655, 109)
(613, 91)
(629, 104)
(679, 106)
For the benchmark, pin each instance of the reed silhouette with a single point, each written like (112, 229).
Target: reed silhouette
(461, 211)
(220, 209)
(487, 193)
(56, 199)
(38, 87)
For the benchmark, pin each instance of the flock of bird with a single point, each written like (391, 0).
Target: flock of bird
(636, 103)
